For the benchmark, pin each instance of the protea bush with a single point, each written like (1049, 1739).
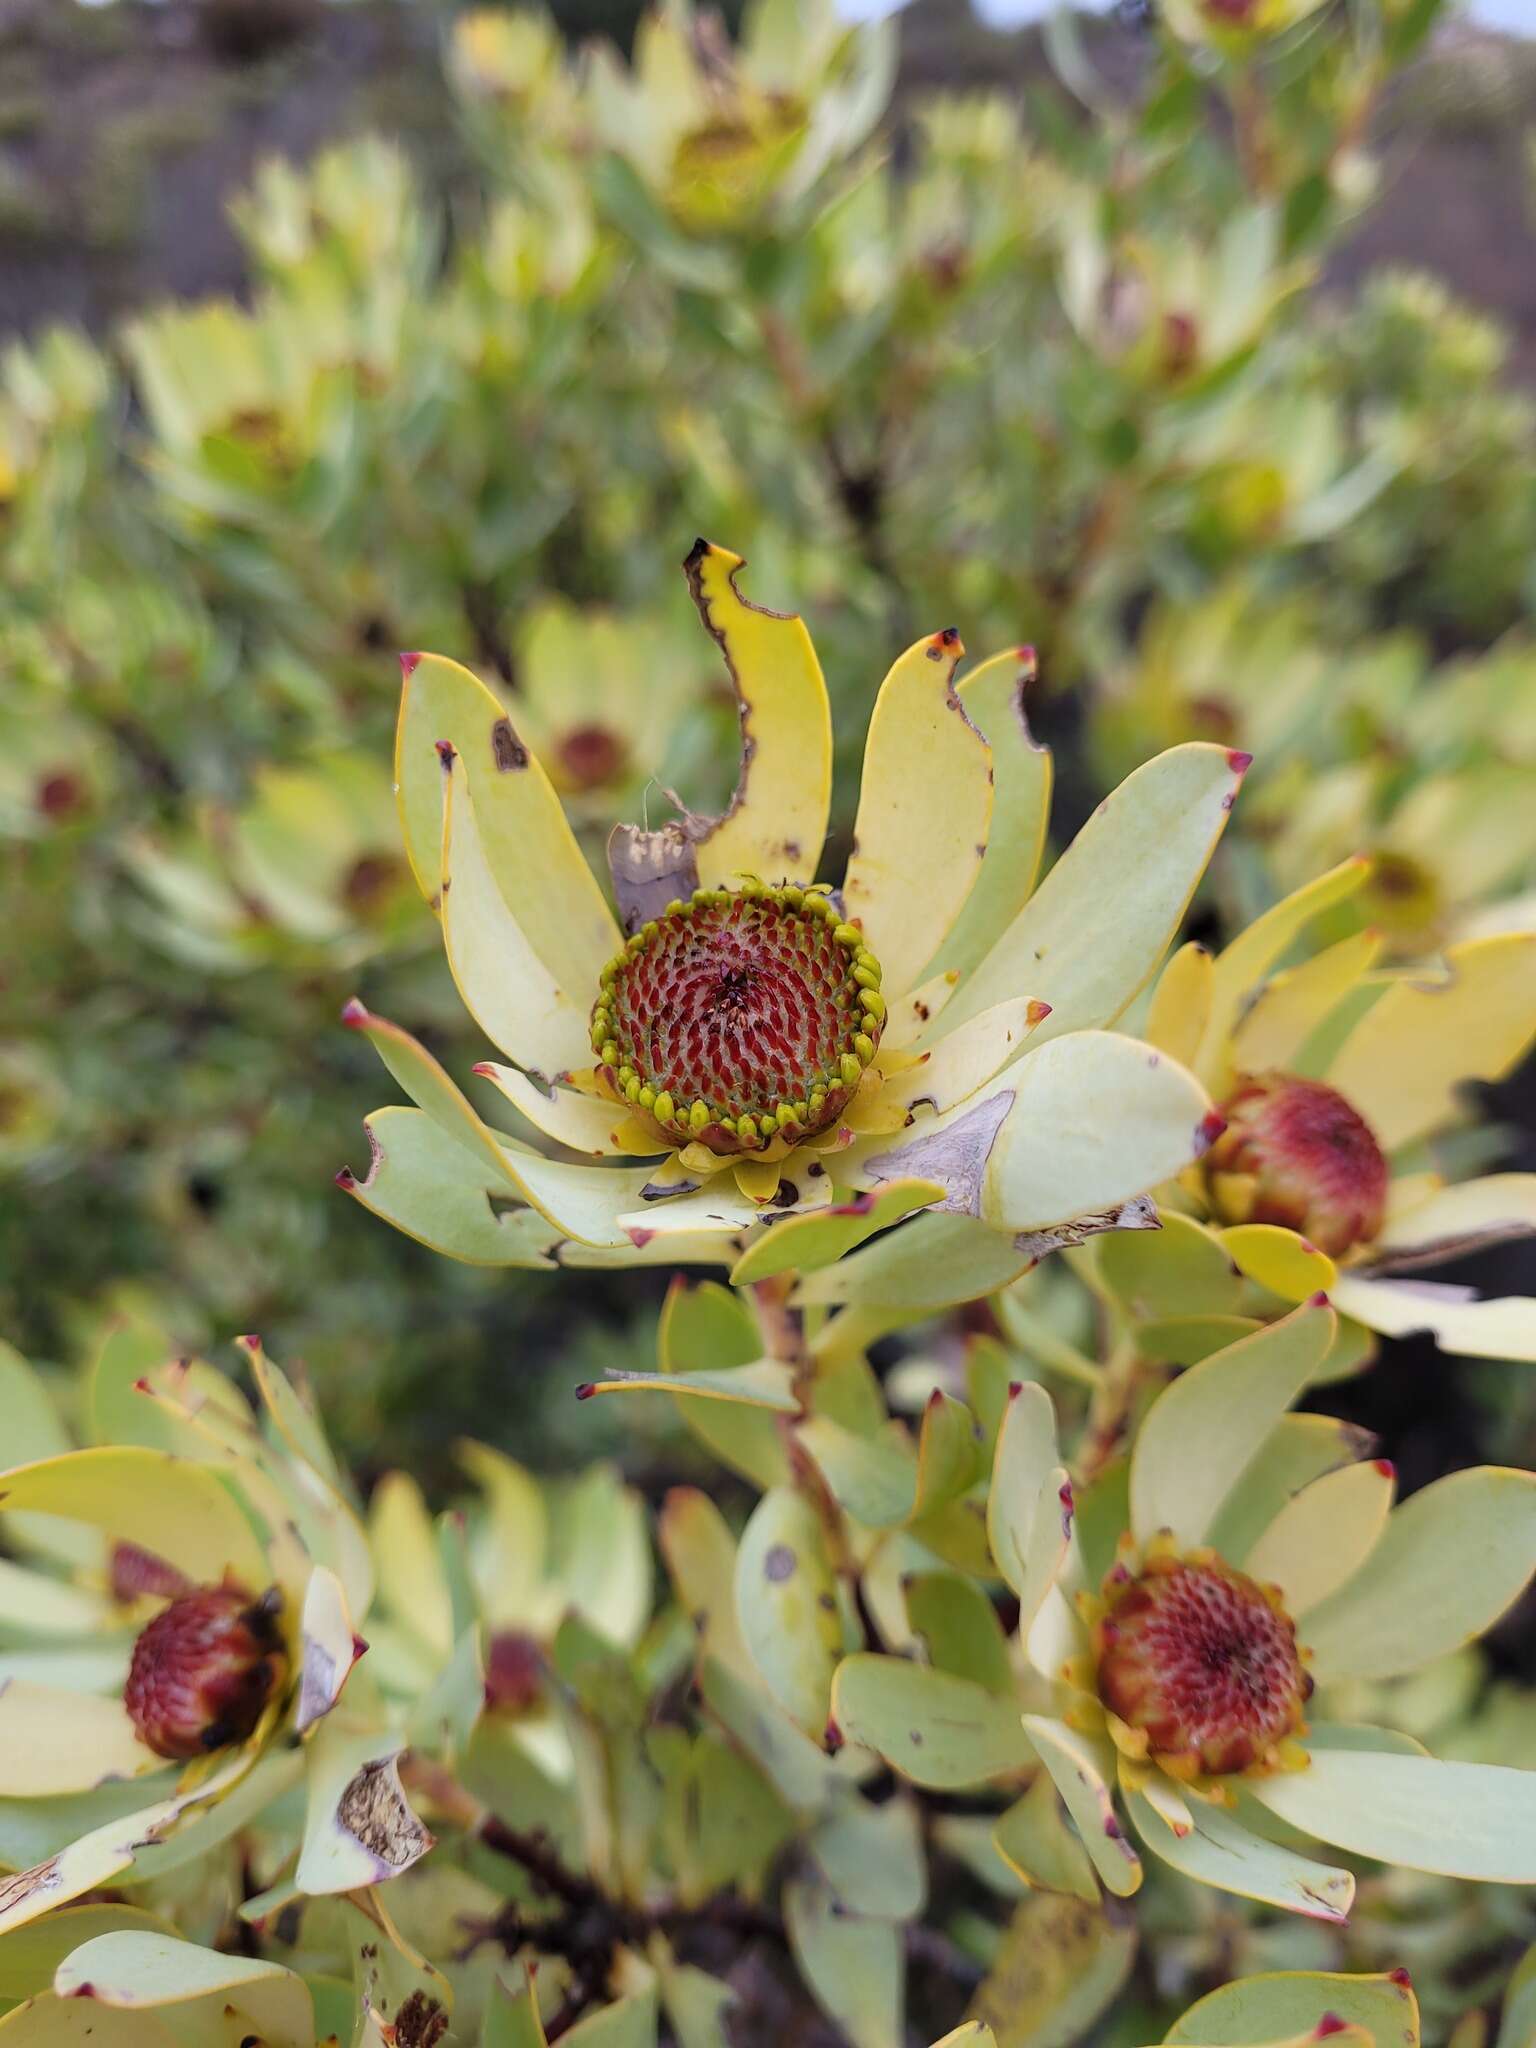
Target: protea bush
(918, 1461)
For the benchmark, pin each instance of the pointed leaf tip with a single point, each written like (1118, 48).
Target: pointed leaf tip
(585, 1390)
(354, 1014)
(1238, 761)
(1385, 1467)
(1208, 1130)
(408, 666)
(1401, 1977)
(345, 1178)
(445, 752)
(1318, 1300)
(1330, 2023)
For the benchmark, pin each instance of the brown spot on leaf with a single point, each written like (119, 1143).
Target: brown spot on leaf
(507, 750)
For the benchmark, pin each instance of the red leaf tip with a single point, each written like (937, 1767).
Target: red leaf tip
(359, 1647)
(345, 1178)
(1401, 1977)
(354, 1014)
(408, 665)
(1330, 2023)
(1385, 1467)
(1015, 1388)
(1318, 1300)
(585, 1391)
(445, 752)
(1208, 1130)
(1238, 761)
(832, 1738)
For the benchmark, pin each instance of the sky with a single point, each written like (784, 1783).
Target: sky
(1506, 14)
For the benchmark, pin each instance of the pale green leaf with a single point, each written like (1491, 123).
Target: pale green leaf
(930, 1726)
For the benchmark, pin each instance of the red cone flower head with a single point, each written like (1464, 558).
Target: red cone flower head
(1198, 1657)
(204, 1669)
(514, 1672)
(740, 1017)
(1294, 1152)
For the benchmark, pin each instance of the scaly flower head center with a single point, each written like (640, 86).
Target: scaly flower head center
(1202, 1662)
(740, 1018)
(1294, 1152)
(203, 1670)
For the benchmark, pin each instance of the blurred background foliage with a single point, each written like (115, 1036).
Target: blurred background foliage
(1092, 337)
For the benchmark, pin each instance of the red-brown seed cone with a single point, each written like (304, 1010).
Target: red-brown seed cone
(1197, 1657)
(739, 1019)
(203, 1670)
(514, 1672)
(1296, 1153)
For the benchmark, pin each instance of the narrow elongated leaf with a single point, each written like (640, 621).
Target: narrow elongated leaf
(1281, 2004)
(1204, 1432)
(786, 1605)
(854, 1967)
(1058, 1967)
(930, 1726)
(1451, 1559)
(1219, 1850)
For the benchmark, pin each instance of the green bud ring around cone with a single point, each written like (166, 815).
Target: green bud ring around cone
(740, 1018)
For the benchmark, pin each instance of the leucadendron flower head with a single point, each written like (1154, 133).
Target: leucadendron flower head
(745, 1042)
(174, 1649)
(1190, 1612)
(1334, 1079)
